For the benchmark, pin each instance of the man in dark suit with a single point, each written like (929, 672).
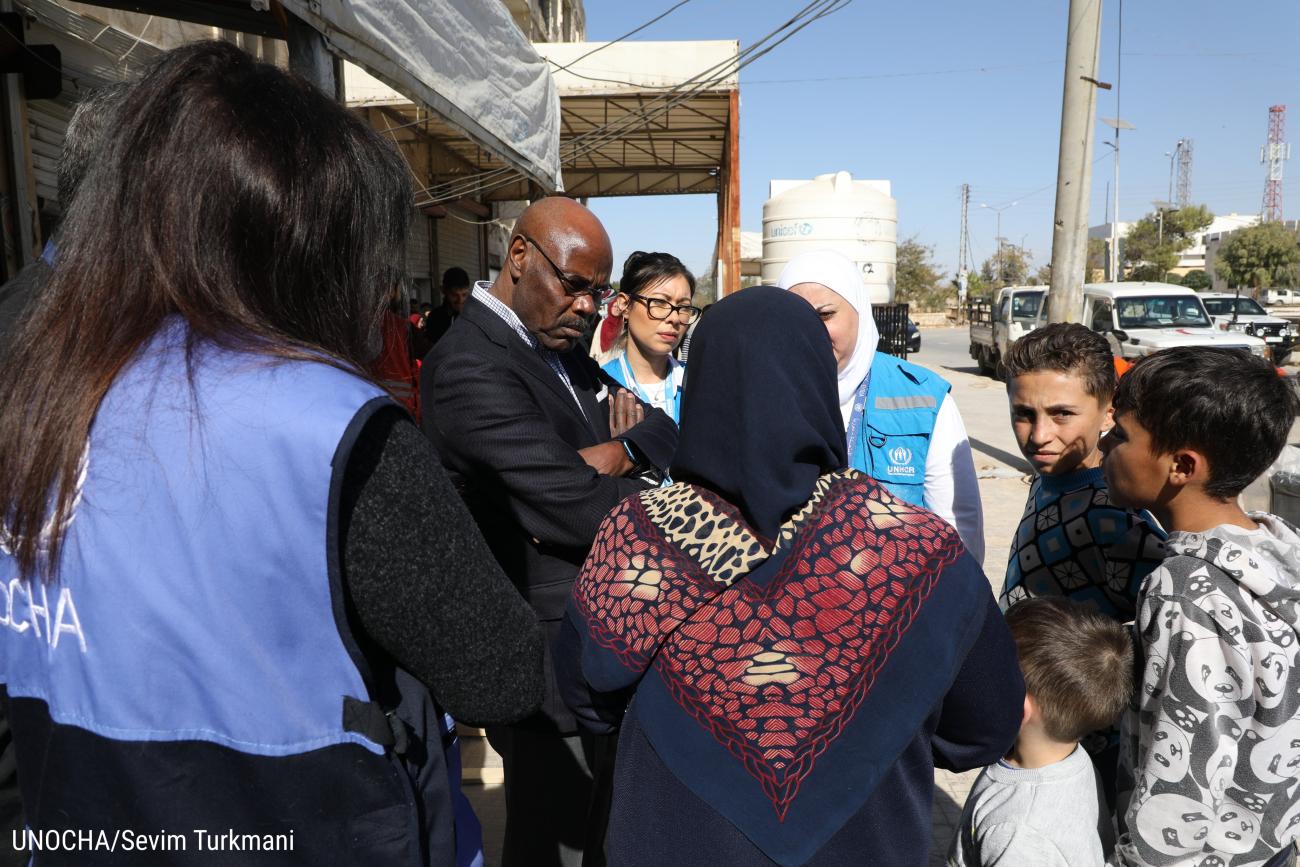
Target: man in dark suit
(543, 445)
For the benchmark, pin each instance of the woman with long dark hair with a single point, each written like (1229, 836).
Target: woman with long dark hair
(233, 571)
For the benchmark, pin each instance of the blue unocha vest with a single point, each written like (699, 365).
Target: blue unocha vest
(192, 667)
(893, 439)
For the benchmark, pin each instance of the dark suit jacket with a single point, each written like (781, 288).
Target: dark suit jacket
(509, 433)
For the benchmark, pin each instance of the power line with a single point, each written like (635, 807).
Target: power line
(633, 32)
(592, 139)
(916, 74)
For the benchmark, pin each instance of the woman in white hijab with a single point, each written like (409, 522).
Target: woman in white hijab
(903, 426)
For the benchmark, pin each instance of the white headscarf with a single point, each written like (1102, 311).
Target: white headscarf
(842, 276)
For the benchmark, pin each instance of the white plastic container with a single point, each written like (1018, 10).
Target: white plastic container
(834, 212)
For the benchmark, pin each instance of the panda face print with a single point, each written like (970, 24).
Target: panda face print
(1222, 611)
(1217, 672)
(1276, 759)
(1272, 673)
(1185, 718)
(1153, 676)
(1235, 830)
(1174, 824)
(1170, 753)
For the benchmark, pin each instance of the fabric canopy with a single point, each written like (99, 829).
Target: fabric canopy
(465, 60)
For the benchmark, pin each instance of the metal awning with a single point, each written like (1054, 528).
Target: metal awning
(637, 118)
(466, 60)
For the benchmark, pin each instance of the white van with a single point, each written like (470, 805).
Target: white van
(1139, 318)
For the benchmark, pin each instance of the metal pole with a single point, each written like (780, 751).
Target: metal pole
(1119, 67)
(309, 57)
(1074, 165)
(1000, 279)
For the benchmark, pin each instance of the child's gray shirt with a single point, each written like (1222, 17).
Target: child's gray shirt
(1045, 817)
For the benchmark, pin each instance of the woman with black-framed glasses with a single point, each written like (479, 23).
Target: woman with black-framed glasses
(655, 302)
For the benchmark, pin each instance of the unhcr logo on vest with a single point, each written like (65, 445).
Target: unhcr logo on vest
(900, 461)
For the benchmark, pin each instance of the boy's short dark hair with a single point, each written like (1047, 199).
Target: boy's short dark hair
(1077, 663)
(1225, 403)
(1069, 348)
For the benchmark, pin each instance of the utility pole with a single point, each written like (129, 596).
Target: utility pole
(1184, 174)
(1074, 164)
(998, 210)
(963, 245)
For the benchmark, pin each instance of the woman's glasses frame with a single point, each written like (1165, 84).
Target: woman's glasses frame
(660, 309)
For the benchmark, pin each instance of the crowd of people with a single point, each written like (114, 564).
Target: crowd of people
(269, 534)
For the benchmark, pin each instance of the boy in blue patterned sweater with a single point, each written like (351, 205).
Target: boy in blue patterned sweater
(1072, 541)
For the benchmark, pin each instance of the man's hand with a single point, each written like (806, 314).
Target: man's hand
(625, 413)
(608, 459)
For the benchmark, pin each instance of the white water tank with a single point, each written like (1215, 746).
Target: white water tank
(833, 212)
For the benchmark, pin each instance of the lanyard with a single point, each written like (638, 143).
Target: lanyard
(855, 418)
(670, 387)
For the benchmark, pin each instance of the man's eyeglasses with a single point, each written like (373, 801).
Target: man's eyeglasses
(658, 308)
(598, 293)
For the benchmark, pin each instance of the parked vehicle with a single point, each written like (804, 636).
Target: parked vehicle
(1242, 314)
(913, 337)
(999, 321)
(1281, 297)
(1139, 318)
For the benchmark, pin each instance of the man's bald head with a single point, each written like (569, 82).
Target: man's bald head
(561, 223)
(558, 251)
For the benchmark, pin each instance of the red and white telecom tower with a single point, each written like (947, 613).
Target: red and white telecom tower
(1274, 155)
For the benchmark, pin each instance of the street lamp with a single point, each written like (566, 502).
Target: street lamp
(998, 210)
(1117, 124)
(1161, 207)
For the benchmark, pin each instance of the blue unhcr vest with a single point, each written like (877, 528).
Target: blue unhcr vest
(192, 668)
(622, 372)
(894, 434)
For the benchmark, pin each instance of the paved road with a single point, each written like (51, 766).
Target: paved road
(981, 399)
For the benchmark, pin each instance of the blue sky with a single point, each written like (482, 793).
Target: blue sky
(1191, 68)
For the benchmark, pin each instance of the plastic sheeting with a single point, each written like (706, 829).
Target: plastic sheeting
(465, 59)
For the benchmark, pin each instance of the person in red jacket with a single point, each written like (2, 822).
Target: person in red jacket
(393, 367)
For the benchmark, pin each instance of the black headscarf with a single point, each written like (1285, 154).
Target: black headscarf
(760, 418)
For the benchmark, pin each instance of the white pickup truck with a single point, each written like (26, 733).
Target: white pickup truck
(998, 322)
(1140, 318)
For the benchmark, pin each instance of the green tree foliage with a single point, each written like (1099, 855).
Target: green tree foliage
(1042, 277)
(1014, 268)
(1096, 267)
(1150, 249)
(1263, 255)
(1197, 280)
(916, 280)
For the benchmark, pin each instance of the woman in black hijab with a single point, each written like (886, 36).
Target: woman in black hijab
(801, 649)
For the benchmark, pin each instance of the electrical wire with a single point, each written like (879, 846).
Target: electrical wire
(633, 32)
(593, 139)
(918, 74)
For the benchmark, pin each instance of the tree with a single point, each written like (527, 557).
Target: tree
(1263, 255)
(1096, 267)
(1153, 243)
(1014, 268)
(1042, 277)
(1197, 280)
(916, 279)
